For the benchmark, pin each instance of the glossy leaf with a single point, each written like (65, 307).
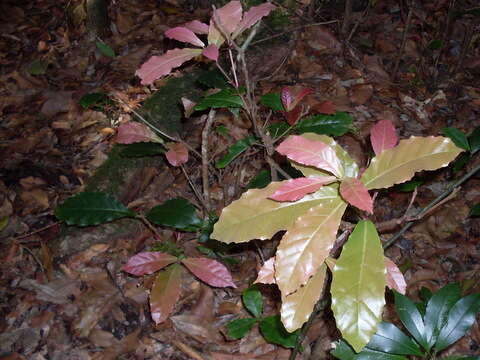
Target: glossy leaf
(390, 339)
(297, 307)
(211, 52)
(185, 35)
(343, 351)
(235, 150)
(273, 101)
(337, 124)
(383, 136)
(211, 271)
(253, 301)
(369, 354)
(158, 66)
(252, 16)
(460, 318)
(165, 293)
(197, 27)
(142, 149)
(254, 216)
(394, 277)
(311, 153)
(178, 213)
(306, 244)
(134, 132)
(91, 208)
(457, 136)
(358, 286)
(474, 140)
(105, 50)
(238, 328)
(278, 129)
(148, 262)
(262, 179)
(411, 318)
(295, 189)
(228, 16)
(177, 153)
(291, 96)
(274, 332)
(355, 193)
(225, 98)
(266, 274)
(399, 164)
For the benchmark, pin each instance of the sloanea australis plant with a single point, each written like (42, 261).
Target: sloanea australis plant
(310, 209)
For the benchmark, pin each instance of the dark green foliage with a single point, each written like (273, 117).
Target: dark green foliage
(334, 125)
(226, 98)
(142, 149)
(235, 150)
(177, 213)
(274, 332)
(458, 137)
(272, 101)
(262, 179)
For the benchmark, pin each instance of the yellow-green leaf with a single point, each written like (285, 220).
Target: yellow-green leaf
(358, 286)
(297, 307)
(306, 245)
(254, 216)
(350, 167)
(399, 164)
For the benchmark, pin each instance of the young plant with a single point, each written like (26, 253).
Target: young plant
(310, 209)
(434, 324)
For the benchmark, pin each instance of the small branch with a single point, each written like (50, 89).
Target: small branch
(150, 226)
(404, 41)
(347, 16)
(36, 231)
(194, 188)
(205, 132)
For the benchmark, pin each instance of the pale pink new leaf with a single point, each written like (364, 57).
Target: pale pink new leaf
(394, 277)
(183, 34)
(295, 189)
(158, 66)
(211, 52)
(355, 193)
(291, 96)
(227, 18)
(177, 154)
(383, 136)
(266, 275)
(287, 98)
(148, 262)
(133, 132)
(197, 27)
(210, 271)
(311, 153)
(252, 16)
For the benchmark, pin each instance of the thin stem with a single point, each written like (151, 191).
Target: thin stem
(194, 188)
(150, 226)
(205, 132)
(404, 40)
(234, 69)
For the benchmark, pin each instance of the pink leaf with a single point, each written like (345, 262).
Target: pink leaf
(210, 271)
(165, 293)
(295, 189)
(293, 116)
(291, 96)
(177, 153)
(383, 136)
(158, 66)
(227, 19)
(189, 106)
(183, 34)
(252, 16)
(133, 132)
(356, 194)
(395, 279)
(327, 107)
(311, 153)
(147, 262)
(197, 27)
(211, 52)
(266, 275)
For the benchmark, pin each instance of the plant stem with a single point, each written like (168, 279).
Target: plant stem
(205, 132)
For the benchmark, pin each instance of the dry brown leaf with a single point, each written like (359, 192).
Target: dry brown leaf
(361, 93)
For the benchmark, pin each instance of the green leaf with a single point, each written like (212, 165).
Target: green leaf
(474, 140)
(343, 351)
(274, 332)
(390, 339)
(410, 185)
(411, 318)
(435, 44)
(222, 130)
(368, 354)
(237, 329)
(437, 310)
(38, 67)
(235, 150)
(457, 136)
(213, 79)
(358, 286)
(105, 50)
(252, 299)
(177, 213)
(91, 208)
(461, 161)
(460, 318)
(278, 129)
(142, 149)
(223, 99)
(262, 179)
(335, 125)
(475, 210)
(92, 99)
(425, 294)
(273, 101)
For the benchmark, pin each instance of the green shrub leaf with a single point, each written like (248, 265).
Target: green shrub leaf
(237, 329)
(458, 137)
(274, 332)
(223, 99)
(411, 318)
(343, 351)
(235, 150)
(252, 299)
(177, 213)
(91, 99)
(390, 339)
(474, 140)
(262, 179)
(273, 101)
(105, 50)
(141, 149)
(335, 125)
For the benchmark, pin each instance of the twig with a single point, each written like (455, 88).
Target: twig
(404, 40)
(347, 16)
(36, 231)
(205, 132)
(194, 188)
(444, 39)
(150, 226)
(357, 24)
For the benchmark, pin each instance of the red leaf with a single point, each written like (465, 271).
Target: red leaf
(252, 16)
(295, 189)
(177, 153)
(395, 279)
(158, 66)
(133, 132)
(183, 34)
(165, 293)
(326, 107)
(356, 194)
(292, 116)
(291, 96)
(266, 275)
(210, 271)
(229, 16)
(197, 27)
(383, 136)
(148, 262)
(211, 52)
(311, 153)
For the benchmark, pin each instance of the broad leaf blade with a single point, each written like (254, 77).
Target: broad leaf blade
(91, 208)
(383, 136)
(343, 351)
(390, 339)
(238, 328)
(460, 318)
(355, 193)
(474, 140)
(274, 332)
(295, 189)
(411, 318)
(211, 271)
(399, 164)
(134, 132)
(252, 16)
(273, 101)
(177, 153)
(458, 137)
(185, 35)
(337, 124)
(253, 301)
(197, 27)
(358, 286)
(212, 52)
(254, 216)
(266, 274)
(148, 262)
(235, 150)
(225, 98)
(165, 293)
(229, 16)
(297, 307)
(178, 213)
(394, 277)
(306, 245)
